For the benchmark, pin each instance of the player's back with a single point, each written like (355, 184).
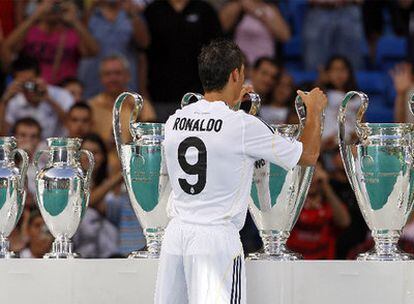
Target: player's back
(209, 172)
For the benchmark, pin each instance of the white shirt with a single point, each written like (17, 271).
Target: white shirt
(18, 107)
(210, 152)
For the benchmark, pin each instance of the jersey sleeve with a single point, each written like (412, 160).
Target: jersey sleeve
(260, 142)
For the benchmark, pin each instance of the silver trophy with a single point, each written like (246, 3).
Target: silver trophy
(145, 174)
(62, 191)
(380, 170)
(12, 190)
(278, 196)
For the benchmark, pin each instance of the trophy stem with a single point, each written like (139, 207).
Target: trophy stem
(61, 249)
(154, 238)
(5, 253)
(274, 246)
(386, 247)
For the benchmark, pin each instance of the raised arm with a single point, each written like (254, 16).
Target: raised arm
(315, 102)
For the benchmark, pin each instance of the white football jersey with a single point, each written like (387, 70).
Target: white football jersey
(210, 152)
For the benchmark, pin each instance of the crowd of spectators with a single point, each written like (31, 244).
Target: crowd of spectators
(63, 62)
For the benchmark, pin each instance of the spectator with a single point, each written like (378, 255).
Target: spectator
(178, 29)
(314, 234)
(402, 76)
(74, 87)
(333, 27)
(281, 101)
(107, 202)
(28, 133)
(118, 28)
(356, 232)
(263, 77)
(28, 95)
(79, 120)
(40, 239)
(115, 76)
(337, 78)
(256, 25)
(55, 37)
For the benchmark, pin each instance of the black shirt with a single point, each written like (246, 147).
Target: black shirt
(176, 41)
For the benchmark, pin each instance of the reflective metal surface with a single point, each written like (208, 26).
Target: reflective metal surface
(380, 169)
(278, 195)
(62, 190)
(145, 175)
(12, 190)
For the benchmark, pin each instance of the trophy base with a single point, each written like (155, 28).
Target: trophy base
(385, 256)
(281, 256)
(61, 249)
(8, 255)
(61, 255)
(143, 255)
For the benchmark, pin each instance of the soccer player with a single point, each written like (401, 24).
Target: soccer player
(210, 151)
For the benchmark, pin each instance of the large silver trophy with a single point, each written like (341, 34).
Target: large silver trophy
(12, 191)
(62, 190)
(380, 170)
(145, 174)
(278, 196)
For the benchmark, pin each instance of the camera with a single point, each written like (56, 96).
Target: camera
(30, 86)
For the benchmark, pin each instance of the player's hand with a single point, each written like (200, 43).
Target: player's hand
(401, 76)
(247, 88)
(315, 101)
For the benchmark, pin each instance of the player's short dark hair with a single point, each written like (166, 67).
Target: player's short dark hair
(26, 121)
(215, 63)
(81, 106)
(25, 63)
(258, 63)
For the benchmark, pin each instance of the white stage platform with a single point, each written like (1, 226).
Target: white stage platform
(119, 281)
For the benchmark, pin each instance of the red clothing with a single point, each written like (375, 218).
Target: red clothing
(314, 235)
(43, 46)
(7, 16)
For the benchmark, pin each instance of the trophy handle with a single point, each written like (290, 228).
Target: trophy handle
(254, 99)
(89, 171)
(116, 122)
(342, 114)
(301, 111)
(411, 104)
(24, 166)
(185, 101)
(37, 158)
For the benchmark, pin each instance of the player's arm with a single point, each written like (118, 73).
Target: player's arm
(315, 102)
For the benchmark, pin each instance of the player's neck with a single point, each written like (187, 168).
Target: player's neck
(219, 96)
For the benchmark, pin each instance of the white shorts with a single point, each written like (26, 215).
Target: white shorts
(201, 265)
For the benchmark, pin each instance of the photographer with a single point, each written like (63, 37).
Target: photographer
(28, 95)
(56, 37)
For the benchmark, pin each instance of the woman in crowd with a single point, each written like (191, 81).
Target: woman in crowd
(314, 235)
(337, 78)
(109, 227)
(255, 25)
(281, 101)
(54, 36)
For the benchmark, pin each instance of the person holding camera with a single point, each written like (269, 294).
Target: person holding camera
(28, 95)
(56, 37)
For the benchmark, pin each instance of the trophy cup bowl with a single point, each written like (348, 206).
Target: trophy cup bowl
(278, 196)
(145, 174)
(12, 191)
(62, 191)
(380, 170)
